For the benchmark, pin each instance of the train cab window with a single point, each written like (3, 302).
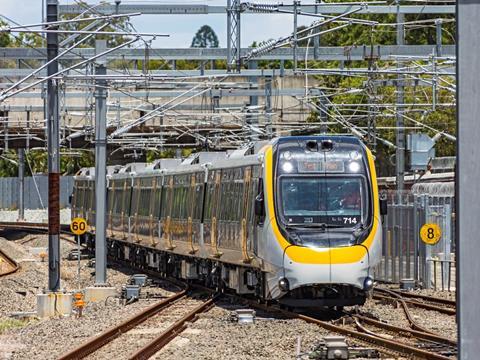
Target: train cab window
(314, 200)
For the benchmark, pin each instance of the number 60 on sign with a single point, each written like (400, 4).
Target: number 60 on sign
(430, 234)
(78, 226)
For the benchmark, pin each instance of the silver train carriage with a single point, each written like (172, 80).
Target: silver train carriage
(296, 220)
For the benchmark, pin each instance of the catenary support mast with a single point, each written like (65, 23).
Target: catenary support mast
(53, 145)
(100, 169)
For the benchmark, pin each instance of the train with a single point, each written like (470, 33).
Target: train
(295, 220)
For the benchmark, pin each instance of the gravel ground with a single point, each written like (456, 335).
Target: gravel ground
(38, 216)
(213, 336)
(18, 291)
(438, 323)
(441, 324)
(46, 339)
(384, 312)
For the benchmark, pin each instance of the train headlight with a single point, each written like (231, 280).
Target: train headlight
(287, 155)
(368, 283)
(354, 166)
(287, 166)
(354, 155)
(283, 284)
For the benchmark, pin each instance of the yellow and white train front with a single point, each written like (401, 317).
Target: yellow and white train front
(322, 232)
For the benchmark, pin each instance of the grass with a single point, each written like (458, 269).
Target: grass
(7, 324)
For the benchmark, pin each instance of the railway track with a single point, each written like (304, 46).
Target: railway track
(422, 343)
(33, 227)
(414, 342)
(23, 225)
(426, 346)
(423, 340)
(426, 302)
(432, 346)
(123, 337)
(7, 264)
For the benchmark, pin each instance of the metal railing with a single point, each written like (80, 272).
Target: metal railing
(34, 199)
(404, 254)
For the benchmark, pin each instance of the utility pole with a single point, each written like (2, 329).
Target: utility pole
(467, 174)
(316, 39)
(438, 53)
(27, 140)
(100, 168)
(53, 146)
(21, 184)
(295, 36)
(400, 131)
(253, 102)
(268, 106)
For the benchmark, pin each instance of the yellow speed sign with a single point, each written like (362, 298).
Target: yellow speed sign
(430, 234)
(78, 226)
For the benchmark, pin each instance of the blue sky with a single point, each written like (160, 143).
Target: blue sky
(181, 28)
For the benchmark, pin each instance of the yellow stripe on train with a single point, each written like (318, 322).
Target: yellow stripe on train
(305, 255)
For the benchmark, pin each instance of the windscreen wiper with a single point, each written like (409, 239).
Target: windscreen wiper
(314, 225)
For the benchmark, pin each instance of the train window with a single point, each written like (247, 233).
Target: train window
(330, 200)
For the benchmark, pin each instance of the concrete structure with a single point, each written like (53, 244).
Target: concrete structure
(54, 304)
(99, 293)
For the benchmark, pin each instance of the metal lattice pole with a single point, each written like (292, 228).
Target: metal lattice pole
(400, 132)
(233, 35)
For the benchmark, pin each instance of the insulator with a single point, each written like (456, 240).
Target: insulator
(261, 8)
(263, 49)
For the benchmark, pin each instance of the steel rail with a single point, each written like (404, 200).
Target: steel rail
(428, 298)
(391, 345)
(109, 335)
(169, 334)
(408, 332)
(402, 302)
(35, 228)
(398, 298)
(388, 346)
(21, 225)
(370, 332)
(25, 225)
(14, 266)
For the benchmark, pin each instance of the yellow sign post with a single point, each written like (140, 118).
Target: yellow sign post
(78, 226)
(430, 233)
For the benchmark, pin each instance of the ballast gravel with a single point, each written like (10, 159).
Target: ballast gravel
(34, 215)
(213, 336)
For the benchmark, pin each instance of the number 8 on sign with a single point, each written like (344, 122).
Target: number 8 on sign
(430, 234)
(78, 226)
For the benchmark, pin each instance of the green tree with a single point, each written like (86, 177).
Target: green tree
(5, 38)
(205, 38)
(116, 24)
